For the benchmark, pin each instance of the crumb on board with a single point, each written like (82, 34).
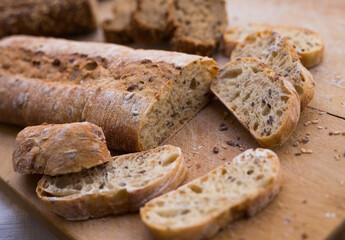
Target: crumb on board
(215, 150)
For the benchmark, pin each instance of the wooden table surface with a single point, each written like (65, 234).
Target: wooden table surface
(311, 203)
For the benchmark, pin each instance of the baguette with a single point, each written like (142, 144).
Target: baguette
(278, 55)
(59, 149)
(138, 97)
(198, 24)
(202, 207)
(264, 102)
(118, 29)
(150, 20)
(308, 44)
(47, 17)
(119, 186)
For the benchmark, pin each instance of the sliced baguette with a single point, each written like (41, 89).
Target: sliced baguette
(119, 186)
(198, 24)
(150, 20)
(308, 44)
(118, 29)
(59, 148)
(275, 51)
(264, 102)
(202, 207)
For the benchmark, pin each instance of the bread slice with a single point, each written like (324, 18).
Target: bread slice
(264, 102)
(150, 20)
(278, 55)
(202, 207)
(119, 186)
(59, 148)
(198, 24)
(308, 44)
(118, 29)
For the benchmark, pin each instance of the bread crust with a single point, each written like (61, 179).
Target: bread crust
(117, 201)
(207, 227)
(292, 111)
(308, 58)
(103, 96)
(54, 149)
(116, 35)
(47, 18)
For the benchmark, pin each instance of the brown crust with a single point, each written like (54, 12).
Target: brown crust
(207, 228)
(183, 43)
(82, 207)
(292, 112)
(47, 18)
(116, 35)
(308, 59)
(59, 148)
(144, 31)
(107, 95)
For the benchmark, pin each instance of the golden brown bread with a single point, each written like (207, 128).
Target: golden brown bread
(47, 17)
(138, 97)
(121, 185)
(59, 148)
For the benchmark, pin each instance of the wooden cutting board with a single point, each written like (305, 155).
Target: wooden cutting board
(311, 203)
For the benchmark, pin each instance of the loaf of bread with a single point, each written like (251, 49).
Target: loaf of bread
(150, 20)
(47, 17)
(275, 51)
(199, 25)
(263, 101)
(118, 29)
(199, 209)
(54, 149)
(138, 97)
(308, 44)
(122, 185)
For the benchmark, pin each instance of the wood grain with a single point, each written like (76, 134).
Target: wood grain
(311, 201)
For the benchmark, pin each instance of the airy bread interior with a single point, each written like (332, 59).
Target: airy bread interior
(255, 94)
(199, 22)
(230, 189)
(272, 49)
(189, 94)
(129, 172)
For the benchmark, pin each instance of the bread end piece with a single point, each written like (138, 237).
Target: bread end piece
(54, 149)
(198, 210)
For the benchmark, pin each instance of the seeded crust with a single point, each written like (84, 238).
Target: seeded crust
(59, 148)
(199, 209)
(47, 17)
(118, 29)
(138, 97)
(122, 185)
(150, 20)
(198, 25)
(277, 54)
(264, 102)
(308, 44)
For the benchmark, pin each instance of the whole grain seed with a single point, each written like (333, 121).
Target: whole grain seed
(336, 133)
(298, 154)
(315, 121)
(230, 143)
(215, 150)
(330, 133)
(307, 123)
(223, 127)
(337, 157)
(295, 144)
(319, 127)
(343, 133)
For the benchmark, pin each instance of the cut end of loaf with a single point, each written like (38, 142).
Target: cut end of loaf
(189, 93)
(121, 185)
(264, 102)
(200, 208)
